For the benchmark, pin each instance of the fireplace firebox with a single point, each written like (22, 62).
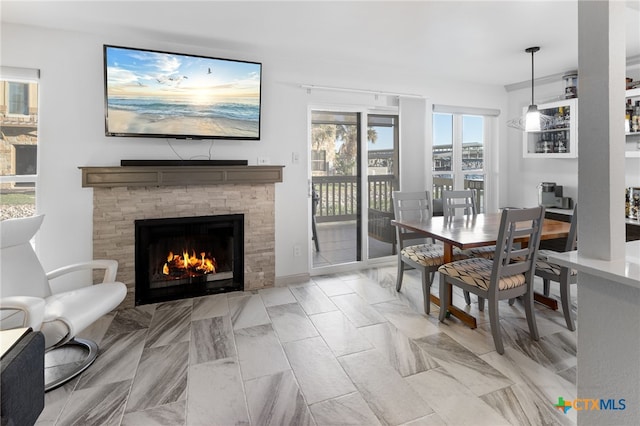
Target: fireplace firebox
(178, 258)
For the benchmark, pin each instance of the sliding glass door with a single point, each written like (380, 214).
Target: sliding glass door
(348, 224)
(335, 178)
(382, 180)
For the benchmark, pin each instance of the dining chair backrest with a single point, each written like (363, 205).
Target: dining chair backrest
(411, 206)
(454, 200)
(563, 275)
(511, 256)
(572, 238)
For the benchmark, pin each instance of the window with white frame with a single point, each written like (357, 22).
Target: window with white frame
(460, 143)
(18, 142)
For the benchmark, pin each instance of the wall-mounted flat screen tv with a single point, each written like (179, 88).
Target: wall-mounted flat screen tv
(155, 94)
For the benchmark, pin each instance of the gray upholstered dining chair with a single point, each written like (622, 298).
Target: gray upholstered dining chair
(423, 256)
(508, 275)
(466, 200)
(549, 271)
(454, 200)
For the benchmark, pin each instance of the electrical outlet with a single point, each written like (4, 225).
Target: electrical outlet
(295, 157)
(296, 250)
(263, 160)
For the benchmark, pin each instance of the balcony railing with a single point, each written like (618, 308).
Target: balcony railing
(337, 195)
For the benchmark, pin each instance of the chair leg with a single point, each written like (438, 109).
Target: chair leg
(530, 313)
(315, 234)
(494, 320)
(546, 287)
(565, 298)
(400, 274)
(512, 301)
(427, 279)
(444, 298)
(481, 304)
(467, 297)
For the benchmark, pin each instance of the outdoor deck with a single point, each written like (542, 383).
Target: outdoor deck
(338, 244)
(336, 213)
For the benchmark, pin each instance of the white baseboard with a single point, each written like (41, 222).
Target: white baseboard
(292, 279)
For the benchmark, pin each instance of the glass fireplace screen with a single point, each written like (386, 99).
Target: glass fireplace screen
(187, 257)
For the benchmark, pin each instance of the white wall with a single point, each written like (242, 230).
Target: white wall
(527, 173)
(72, 128)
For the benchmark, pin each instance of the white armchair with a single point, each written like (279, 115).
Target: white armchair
(29, 299)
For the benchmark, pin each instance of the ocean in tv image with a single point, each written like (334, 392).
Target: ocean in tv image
(165, 94)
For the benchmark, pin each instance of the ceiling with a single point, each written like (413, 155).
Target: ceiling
(473, 41)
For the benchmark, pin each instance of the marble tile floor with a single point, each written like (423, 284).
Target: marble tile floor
(345, 349)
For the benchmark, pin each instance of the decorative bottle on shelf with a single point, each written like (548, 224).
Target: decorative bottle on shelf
(562, 144)
(571, 85)
(558, 120)
(627, 116)
(635, 118)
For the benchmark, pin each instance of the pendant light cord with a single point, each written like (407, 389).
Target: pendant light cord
(532, 50)
(532, 79)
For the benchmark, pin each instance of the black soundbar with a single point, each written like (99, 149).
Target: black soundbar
(160, 163)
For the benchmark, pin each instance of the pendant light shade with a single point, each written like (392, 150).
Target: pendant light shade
(532, 119)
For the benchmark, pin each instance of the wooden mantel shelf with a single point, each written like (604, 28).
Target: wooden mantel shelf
(178, 175)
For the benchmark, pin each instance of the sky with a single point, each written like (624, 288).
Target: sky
(442, 131)
(384, 141)
(147, 73)
(472, 129)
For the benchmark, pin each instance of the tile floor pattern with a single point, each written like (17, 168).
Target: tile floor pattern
(344, 349)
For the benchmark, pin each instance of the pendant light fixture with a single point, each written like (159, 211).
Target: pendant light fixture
(532, 118)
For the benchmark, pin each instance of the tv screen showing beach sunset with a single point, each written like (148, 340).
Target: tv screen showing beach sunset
(170, 95)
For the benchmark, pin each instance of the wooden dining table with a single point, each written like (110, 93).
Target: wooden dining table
(471, 231)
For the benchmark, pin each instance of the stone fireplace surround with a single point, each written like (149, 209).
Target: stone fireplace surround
(123, 194)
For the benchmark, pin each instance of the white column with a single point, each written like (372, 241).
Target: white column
(415, 170)
(601, 73)
(608, 311)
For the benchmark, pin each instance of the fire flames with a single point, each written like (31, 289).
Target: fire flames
(180, 265)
